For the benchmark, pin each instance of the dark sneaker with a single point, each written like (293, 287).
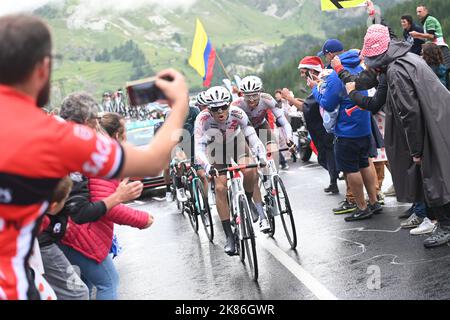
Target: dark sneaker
(332, 188)
(438, 238)
(360, 215)
(254, 211)
(406, 214)
(376, 208)
(345, 207)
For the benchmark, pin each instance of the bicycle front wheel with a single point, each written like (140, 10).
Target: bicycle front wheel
(284, 207)
(202, 205)
(248, 235)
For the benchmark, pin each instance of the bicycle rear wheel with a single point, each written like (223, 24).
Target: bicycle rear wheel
(201, 203)
(284, 207)
(248, 241)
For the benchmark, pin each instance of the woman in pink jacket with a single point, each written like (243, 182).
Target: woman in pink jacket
(87, 246)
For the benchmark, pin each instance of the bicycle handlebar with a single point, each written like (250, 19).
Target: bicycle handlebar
(241, 167)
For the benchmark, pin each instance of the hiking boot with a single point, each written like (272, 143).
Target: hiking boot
(425, 227)
(376, 208)
(412, 222)
(360, 215)
(332, 188)
(345, 207)
(438, 238)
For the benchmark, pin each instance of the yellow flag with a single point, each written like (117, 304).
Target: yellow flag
(197, 59)
(328, 5)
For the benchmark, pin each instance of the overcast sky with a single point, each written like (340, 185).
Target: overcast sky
(93, 6)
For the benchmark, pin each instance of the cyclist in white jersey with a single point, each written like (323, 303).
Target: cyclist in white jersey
(255, 104)
(220, 135)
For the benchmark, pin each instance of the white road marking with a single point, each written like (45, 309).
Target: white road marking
(319, 290)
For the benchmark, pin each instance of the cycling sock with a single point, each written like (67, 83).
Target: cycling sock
(178, 182)
(226, 225)
(260, 209)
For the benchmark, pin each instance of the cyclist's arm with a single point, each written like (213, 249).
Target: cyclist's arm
(200, 143)
(253, 139)
(279, 115)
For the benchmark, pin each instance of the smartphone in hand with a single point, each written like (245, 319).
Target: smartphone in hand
(144, 91)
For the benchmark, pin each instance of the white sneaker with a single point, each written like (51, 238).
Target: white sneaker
(181, 195)
(425, 227)
(264, 225)
(169, 197)
(412, 222)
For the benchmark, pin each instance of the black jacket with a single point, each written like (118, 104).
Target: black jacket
(417, 118)
(416, 43)
(78, 207)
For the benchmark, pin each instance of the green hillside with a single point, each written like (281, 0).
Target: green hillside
(286, 75)
(247, 34)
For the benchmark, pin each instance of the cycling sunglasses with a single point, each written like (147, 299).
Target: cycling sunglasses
(216, 108)
(252, 96)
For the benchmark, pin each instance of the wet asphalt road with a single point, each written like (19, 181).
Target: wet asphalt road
(370, 259)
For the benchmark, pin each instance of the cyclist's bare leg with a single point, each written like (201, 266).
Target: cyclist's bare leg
(221, 198)
(202, 175)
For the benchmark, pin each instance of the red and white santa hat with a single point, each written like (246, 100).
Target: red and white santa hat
(310, 62)
(376, 41)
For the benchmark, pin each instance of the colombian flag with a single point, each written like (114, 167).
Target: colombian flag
(203, 55)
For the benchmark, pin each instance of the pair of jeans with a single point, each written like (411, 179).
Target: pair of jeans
(101, 275)
(420, 209)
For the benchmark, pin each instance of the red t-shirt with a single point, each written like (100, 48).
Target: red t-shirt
(36, 151)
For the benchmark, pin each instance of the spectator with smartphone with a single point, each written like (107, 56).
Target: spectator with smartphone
(50, 149)
(353, 132)
(309, 68)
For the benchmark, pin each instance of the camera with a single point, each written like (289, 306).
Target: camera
(144, 91)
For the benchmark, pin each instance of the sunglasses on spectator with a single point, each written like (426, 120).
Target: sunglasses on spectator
(215, 108)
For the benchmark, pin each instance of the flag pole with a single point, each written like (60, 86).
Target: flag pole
(223, 67)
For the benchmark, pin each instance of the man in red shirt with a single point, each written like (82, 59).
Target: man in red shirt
(36, 150)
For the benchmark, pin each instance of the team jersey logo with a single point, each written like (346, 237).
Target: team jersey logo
(99, 157)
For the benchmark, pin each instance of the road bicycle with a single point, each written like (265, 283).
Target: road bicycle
(241, 220)
(276, 200)
(196, 204)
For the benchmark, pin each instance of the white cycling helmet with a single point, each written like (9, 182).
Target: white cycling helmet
(217, 96)
(201, 99)
(251, 84)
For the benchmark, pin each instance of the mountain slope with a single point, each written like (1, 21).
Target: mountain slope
(245, 33)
